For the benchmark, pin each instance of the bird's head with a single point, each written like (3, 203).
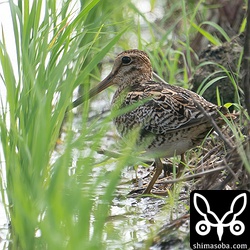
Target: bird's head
(130, 67)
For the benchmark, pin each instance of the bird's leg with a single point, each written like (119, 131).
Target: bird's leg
(159, 167)
(181, 166)
(167, 167)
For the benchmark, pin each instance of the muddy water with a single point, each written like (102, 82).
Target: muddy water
(137, 221)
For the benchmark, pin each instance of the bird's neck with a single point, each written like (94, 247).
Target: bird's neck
(121, 97)
(128, 84)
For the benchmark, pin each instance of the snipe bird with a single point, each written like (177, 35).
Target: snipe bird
(167, 117)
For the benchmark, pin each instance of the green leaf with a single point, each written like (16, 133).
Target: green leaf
(210, 83)
(217, 27)
(206, 34)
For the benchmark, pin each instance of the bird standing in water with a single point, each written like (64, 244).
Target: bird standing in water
(168, 118)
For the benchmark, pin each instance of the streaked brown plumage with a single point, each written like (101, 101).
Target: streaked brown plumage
(167, 117)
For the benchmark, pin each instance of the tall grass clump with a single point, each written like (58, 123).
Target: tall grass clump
(53, 199)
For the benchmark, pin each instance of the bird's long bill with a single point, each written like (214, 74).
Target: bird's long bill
(105, 83)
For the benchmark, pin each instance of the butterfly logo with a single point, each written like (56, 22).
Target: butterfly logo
(210, 219)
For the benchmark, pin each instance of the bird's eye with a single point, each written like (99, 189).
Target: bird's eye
(126, 60)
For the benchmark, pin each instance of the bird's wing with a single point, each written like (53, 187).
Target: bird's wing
(169, 108)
